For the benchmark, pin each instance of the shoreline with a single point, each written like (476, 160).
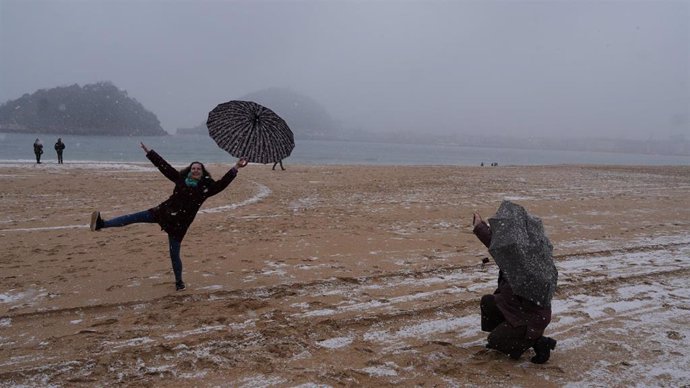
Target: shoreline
(113, 164)
(667, 147)
(322, 152)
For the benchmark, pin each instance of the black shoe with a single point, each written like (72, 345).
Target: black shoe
(180, 286)
(543, 348)
(96, 221)
(515, 355)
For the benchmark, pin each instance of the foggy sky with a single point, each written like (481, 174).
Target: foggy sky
(561, 68)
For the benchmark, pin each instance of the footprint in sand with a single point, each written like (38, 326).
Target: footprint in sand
(113, 287)
(108, 321)
(485, 356)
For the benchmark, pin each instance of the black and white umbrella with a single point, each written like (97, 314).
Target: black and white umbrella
(248, 130)
(523, 252)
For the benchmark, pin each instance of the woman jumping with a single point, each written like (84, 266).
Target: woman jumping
(193, 185)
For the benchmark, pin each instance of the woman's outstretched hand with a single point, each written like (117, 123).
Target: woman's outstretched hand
(241, 163)
(143, 146)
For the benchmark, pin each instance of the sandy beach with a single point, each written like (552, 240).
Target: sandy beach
(337, 276)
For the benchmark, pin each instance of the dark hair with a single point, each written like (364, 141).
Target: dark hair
(204, 173)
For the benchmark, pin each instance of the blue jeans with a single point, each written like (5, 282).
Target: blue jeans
(147, 217)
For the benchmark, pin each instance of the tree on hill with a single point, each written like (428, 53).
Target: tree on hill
(95, 109)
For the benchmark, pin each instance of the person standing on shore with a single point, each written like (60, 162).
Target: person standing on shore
(59, 147)
(38, 150)
(515, 323)
(193, 185)
(281, 165)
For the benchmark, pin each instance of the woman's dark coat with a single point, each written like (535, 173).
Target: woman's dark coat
(518, 311)
(176, 214)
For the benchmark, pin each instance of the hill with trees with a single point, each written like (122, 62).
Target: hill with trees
(94, 109)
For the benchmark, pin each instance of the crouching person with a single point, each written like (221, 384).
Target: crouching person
(515, 324)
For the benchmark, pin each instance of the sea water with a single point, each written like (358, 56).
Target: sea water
(185, 149)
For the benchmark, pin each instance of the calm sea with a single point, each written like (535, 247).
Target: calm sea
(184, 149)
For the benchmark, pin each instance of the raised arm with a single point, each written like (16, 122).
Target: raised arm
(165, 168)
(223, 182)
(481, 229)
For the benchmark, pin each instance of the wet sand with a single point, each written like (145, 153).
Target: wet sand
(337, 276)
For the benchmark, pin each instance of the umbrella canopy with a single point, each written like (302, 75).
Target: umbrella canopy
(248, 130)
(523, 252)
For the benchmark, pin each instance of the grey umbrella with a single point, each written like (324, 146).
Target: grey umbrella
(523, 252)
(248, 130)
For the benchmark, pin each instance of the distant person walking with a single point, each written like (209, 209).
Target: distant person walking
(193, 185)
(38, 150)
(59, 147)
(281, 165)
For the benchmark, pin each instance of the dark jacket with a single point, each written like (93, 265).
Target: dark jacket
(38, 149)
(176, 214)
(518, 311)
(59, 146)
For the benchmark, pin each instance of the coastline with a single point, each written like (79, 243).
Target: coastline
(183, 149)
(338, 275)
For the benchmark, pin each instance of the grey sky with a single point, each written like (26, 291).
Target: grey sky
(560, 68)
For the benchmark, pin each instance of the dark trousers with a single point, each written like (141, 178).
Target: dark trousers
(503, 336)
(38, 157)
(146, 217)
(59, 153)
